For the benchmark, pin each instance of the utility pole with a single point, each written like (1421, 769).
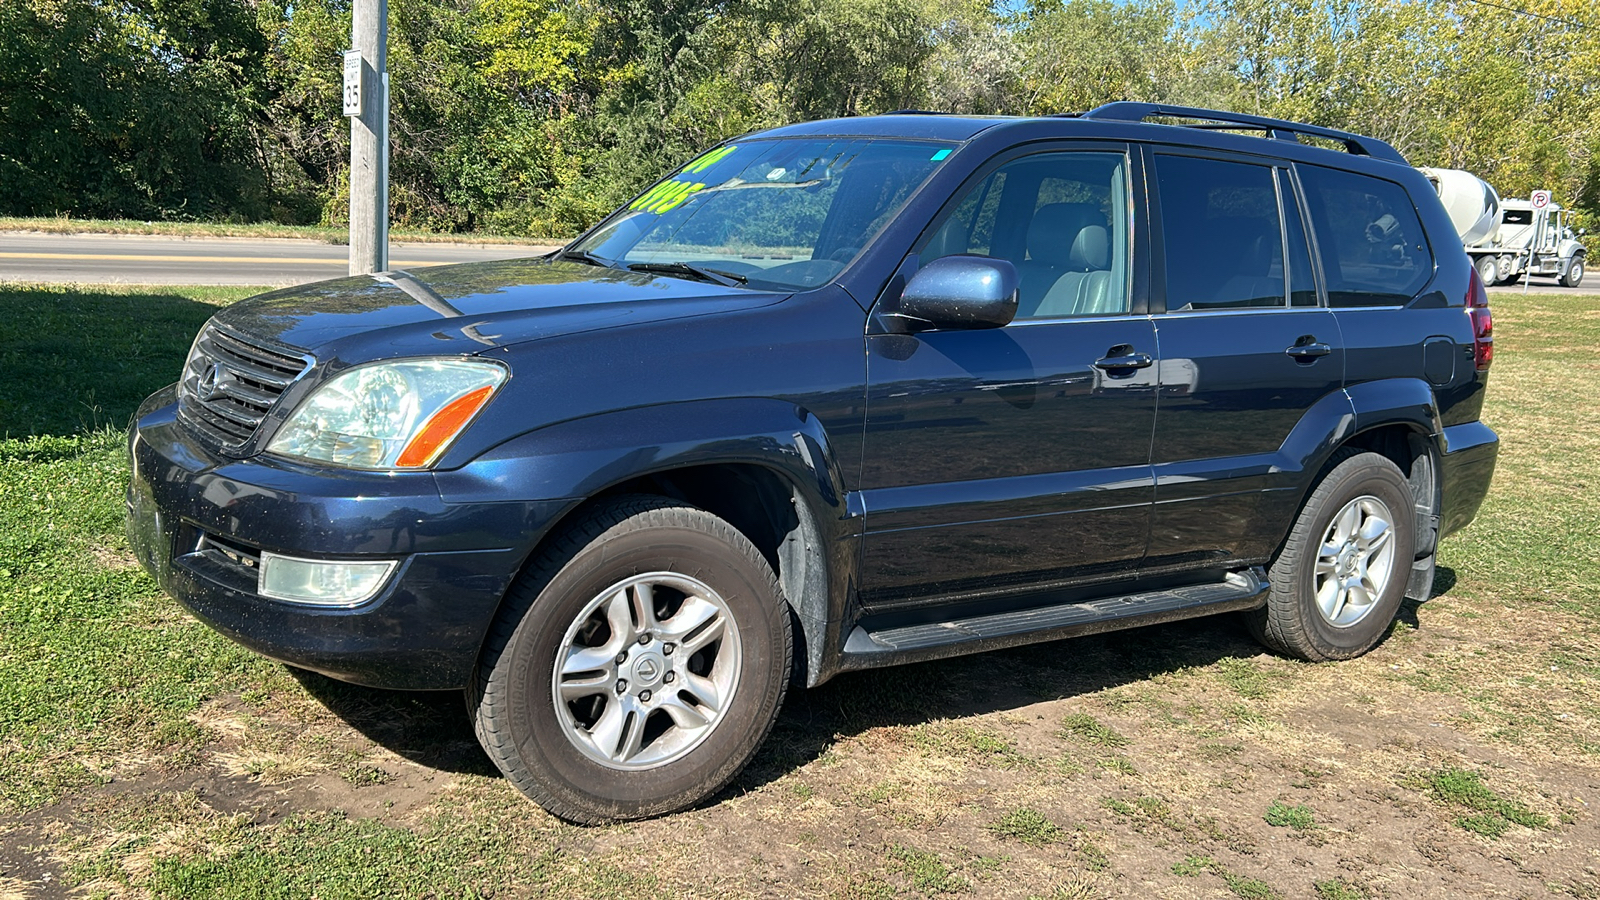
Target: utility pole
(366, 102)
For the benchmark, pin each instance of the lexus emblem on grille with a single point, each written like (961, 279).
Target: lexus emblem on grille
(210, 382)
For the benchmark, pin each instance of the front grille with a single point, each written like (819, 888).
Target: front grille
(230, 382)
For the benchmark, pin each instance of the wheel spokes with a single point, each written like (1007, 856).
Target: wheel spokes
(682, 713)
(1352, 567)
(634, 702)
(705, 690)
(619, 616)
(707, 631)
(606, 733)
(579, 688)
(644, 607)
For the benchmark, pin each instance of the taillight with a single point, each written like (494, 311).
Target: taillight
(1482, 323)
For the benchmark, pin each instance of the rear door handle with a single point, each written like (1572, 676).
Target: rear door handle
(1127, 361)
(1308, 352)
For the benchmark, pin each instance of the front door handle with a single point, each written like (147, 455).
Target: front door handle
(1125, 361)
(1308, 351)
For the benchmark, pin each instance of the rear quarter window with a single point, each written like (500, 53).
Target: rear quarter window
(1371, 242)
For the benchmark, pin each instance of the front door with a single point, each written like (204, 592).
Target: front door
(1017, 457)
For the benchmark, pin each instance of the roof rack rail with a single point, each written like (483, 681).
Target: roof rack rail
(916, 112)
(1131, 111)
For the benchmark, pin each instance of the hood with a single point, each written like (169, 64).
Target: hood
(472, 307)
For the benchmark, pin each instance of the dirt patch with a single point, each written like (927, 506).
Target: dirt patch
(1162, 762)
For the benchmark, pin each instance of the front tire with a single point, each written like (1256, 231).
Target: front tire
(637, 666)
(1341, 575)
(1488, 270)
(1574, 276)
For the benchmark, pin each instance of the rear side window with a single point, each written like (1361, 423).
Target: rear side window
(1223, 234)
(1370, 239)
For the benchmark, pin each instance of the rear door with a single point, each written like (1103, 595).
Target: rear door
(1018, 456)
(1246, 349)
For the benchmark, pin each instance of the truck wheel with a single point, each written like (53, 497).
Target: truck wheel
(1488, 270)
(638, 663)
(1339, 579)
(1574, 276)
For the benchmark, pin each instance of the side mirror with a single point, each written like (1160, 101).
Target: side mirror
(957, 292)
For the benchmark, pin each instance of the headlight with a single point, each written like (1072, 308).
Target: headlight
(392, 415)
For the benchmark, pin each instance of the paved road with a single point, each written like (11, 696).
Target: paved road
(1548, 286)
(156, 259)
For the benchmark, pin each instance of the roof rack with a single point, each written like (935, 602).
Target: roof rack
(1130, 111)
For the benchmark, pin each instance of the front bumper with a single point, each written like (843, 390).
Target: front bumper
(422, 631)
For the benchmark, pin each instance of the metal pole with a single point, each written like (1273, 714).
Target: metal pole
(369, 132)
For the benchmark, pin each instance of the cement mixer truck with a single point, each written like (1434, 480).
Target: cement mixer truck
(1509, 239)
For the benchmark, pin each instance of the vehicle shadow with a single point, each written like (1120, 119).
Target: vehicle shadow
(813, 720)
(430, 728)
(433, 728)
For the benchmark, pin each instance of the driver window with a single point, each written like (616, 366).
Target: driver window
(1061, 219)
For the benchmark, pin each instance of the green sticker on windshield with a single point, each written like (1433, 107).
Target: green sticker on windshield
(940, 155)
(710, 159)
(666, 195)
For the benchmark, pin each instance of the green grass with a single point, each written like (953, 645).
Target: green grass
(1338, 889)
(1282, 815)
(1028, 826)
(98, 662)
(1490, 814)
(926, 871)
(1086, 729)
(969, 742)
(73, 361)
(340, 235)
(1239, 885)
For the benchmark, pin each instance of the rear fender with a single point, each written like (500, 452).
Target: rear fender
(1337, 419)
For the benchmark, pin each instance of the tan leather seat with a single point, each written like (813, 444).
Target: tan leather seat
(1085, 292)
(1057, 245)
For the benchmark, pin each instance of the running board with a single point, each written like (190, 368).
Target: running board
(938, 640)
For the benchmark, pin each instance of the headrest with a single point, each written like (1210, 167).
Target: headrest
(1092, 248)
(1055, 227)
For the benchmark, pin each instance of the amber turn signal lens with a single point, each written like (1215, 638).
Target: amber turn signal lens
(442, 428)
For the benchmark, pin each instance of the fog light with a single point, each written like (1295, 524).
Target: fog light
(322, 582)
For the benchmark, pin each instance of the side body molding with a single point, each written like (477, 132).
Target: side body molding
(581, 458)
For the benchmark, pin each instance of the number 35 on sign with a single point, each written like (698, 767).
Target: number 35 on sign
(352, 82)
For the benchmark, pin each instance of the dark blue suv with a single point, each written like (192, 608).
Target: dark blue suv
(839, 395)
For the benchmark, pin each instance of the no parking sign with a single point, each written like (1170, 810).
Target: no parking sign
(1541, 199)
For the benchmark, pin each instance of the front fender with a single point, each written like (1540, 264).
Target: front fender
(581, 458)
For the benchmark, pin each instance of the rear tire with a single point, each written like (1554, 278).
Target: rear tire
(1341, 575)
(637, 664)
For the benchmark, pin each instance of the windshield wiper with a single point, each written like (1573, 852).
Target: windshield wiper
(585, 256)
(726, 279)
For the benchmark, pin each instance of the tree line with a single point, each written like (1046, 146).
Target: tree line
(536, 117)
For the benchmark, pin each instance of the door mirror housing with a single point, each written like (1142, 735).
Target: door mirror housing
(957, 292)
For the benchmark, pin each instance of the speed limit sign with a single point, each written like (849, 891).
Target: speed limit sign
(1541, 199)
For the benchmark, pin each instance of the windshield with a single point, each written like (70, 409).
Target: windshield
(775, 214)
